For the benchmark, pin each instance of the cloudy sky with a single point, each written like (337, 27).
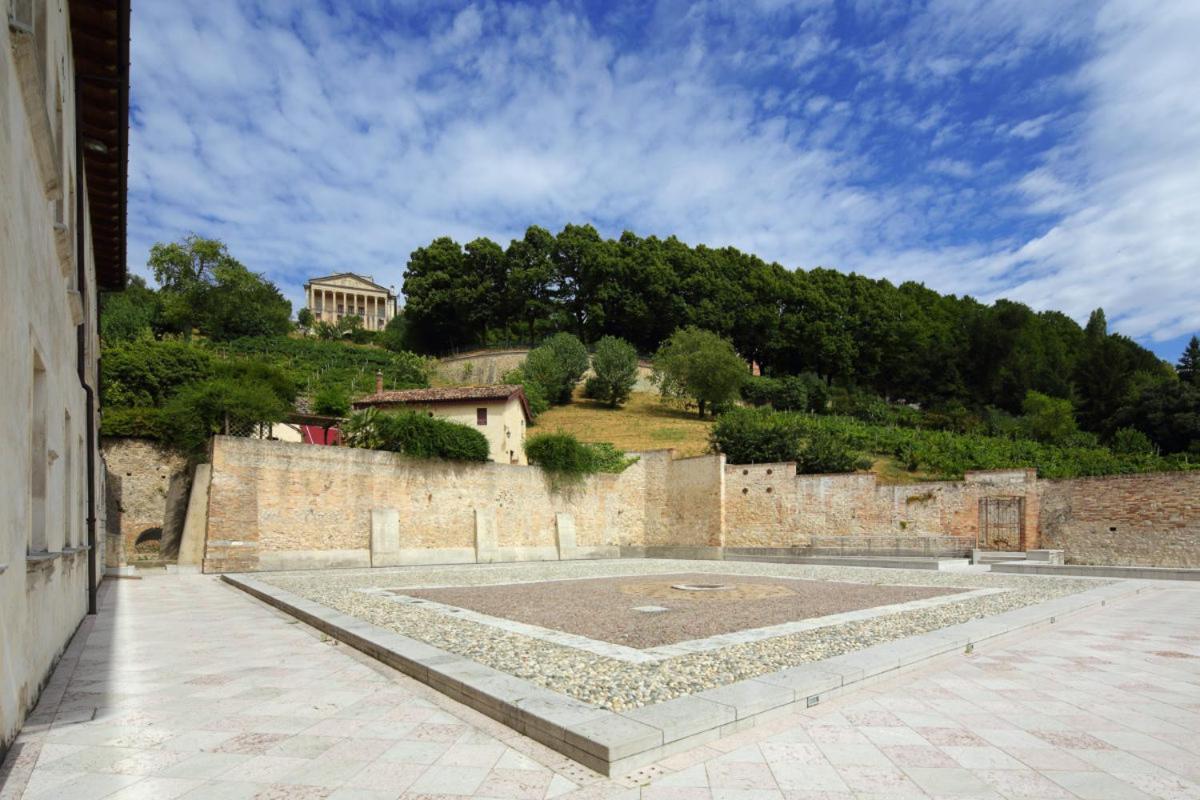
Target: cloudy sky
(1047, 152)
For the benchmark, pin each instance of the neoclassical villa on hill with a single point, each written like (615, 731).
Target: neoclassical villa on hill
(345, 294)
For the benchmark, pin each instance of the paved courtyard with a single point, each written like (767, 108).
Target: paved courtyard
(185, 687)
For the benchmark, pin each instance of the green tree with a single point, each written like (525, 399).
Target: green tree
(556, 365)
(1189, 362)
(1169, 413)
(331, 401)
(699, 365)
(615, 363)
(394, 336)
(145, 372)
(304, 319)
(534, 393)
(203, 287)
(129, 314)
(1048, 419)
(446, 303)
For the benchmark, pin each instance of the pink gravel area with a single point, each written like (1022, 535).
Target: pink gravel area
(604, 608)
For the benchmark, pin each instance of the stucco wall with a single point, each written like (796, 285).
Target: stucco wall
(43, 600)
(148, 488)
(1143, 520)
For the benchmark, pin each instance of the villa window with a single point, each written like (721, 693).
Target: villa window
(481, 416)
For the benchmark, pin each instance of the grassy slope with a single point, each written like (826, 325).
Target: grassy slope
(644, 423)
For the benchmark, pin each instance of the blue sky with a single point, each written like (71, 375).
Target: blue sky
(1048, 152)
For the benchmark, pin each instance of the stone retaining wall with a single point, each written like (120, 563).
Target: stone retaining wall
(148, 489)
(1148, 520)
(276, 505)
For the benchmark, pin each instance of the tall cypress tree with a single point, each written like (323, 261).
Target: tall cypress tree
(1189, 363)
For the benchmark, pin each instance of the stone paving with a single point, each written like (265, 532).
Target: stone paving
(184, 687)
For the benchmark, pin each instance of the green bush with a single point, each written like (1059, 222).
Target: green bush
(761, 436)
(756, 436)
(123, 421)
(787, 393)
(615, 363)
(202, 409)
(556, 365)
(416, 434)
(534, 392)
(331, 401)
(1131, 442)
(563, 454)
(1048, 419)
(144, 372)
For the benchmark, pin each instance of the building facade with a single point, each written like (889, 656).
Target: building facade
(64, 78)
(500, 413)
(335, 297)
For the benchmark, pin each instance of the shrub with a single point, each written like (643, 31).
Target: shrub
(615, 364)
(202, 409)
(756, 436)
(1131, 442)
(534, 392)
(122, 421)
(556, 365)
(145, 372)
(825, 451)
(787, 393)
(563, 454)
(331, 401)
(417, 435)
(1048, 419)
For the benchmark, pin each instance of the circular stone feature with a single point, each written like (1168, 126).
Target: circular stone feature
(701, 587)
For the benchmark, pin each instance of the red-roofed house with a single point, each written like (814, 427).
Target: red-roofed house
(501, 412)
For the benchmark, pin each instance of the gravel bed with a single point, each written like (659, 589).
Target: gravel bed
(617, 685)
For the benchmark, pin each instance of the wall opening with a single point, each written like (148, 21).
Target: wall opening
(38, 458)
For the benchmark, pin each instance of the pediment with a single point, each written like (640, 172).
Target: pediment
(348, 280)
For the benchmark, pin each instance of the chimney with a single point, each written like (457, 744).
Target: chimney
(379, 382)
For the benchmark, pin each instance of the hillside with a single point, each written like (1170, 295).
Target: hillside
(644, 423)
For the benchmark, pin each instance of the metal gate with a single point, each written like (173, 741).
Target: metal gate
(1002, 523)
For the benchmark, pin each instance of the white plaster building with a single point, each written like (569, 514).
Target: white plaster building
(64, 101)
(334, 297)
(500, 413)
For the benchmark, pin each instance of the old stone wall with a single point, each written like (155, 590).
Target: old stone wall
(1141, 520)
(281, 505)
(769, 505)
(275, 505)
(148, 487)
(694, 504)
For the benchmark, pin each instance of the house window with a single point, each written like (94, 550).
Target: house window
(481, 416)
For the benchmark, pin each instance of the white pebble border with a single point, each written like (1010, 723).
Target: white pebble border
(617, 684)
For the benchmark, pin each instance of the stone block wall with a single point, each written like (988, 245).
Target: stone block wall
(275, 505)
(147, 488)
(1139, 520)
(769, 505)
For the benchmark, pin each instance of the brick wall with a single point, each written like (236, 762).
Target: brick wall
(1142, 520)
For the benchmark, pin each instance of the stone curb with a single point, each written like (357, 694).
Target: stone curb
(615, 743)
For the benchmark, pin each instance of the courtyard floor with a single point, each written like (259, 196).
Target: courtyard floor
(185, 687)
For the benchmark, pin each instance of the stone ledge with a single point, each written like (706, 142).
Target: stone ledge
(1099, 571)
(615, 743)
(42, 560)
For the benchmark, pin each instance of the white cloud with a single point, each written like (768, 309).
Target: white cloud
(315, 141)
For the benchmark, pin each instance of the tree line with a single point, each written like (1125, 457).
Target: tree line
(905, 342)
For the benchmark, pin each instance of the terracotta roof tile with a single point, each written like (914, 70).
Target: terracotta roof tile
(444, 395)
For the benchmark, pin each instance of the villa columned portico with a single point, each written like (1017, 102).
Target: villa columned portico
(334, 297)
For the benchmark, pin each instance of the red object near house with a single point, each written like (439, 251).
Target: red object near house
(316, 434)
